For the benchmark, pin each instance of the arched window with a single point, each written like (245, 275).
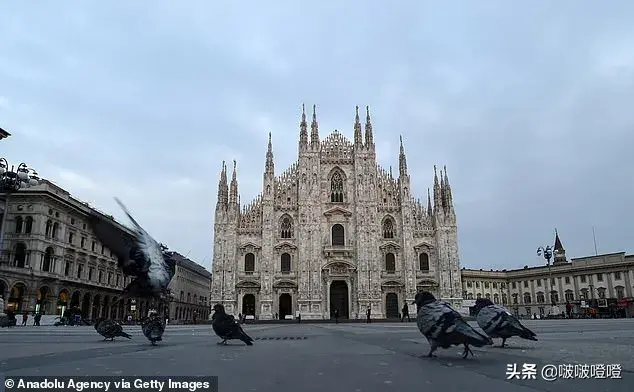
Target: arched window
(496, 298)
(338, 235)
(18, 224)
(620, 292)
(470, 296)
(55, 229)
(515, 295)
(570, 295)
(423, 262)
(286, 228)
(527, 298)
(388, 228)
(285, 262)
(540, 298)
(390, 262)
(478, 295)
(336, 188)
(47, 262)
(505, 299)
(49, 227)
(28, 224)
(249, 262)
(488, 296)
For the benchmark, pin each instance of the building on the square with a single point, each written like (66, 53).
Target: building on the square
(334, 231)
(4, 134)
(602, 282)
(190, 288)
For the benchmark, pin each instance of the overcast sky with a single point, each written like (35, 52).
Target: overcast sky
(529, 106)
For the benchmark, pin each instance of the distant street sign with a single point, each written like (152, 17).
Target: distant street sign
(132, 307)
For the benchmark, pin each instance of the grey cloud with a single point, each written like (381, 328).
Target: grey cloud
(526, 104)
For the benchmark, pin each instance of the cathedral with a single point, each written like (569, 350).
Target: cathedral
(333, 232)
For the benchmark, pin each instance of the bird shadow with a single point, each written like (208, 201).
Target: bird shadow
(497, 347)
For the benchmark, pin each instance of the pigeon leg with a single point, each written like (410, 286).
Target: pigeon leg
(431, 351)
(467, 351)
(224, 342)
(503, 341)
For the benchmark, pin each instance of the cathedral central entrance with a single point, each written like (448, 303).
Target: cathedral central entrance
(248, 305)
(391, 306)
(339, 299)
(286, 305)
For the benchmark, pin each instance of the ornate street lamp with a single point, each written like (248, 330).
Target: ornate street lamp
(12, 180)
(547, 252)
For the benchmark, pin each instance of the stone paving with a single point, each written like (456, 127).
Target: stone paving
(317, 357)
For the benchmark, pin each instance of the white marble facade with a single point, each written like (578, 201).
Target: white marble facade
(333, 231)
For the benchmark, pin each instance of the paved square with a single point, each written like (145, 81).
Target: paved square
(318, 357)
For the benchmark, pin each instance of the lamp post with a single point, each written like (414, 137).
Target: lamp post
(12, 180)
(547, 252)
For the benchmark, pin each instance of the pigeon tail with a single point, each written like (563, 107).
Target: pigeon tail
(528, 335)
(124, 335)
(473, 337)
(246, 338)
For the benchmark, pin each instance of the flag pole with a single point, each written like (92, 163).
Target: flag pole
(594, 237)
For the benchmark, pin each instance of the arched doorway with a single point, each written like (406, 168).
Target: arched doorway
(41, 301)
(16, 298)
(74, 301)
(85, 306)
(62, 302)
(286, 305)
(248, 304)
(339, 299)
(391, 305)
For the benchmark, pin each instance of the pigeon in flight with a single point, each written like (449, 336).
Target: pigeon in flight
(227, 328)
(497, 322)
(153, 327)
(139, 255)
(444, 327)
(110, 329)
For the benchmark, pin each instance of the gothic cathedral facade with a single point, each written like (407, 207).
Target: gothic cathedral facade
(334, 232)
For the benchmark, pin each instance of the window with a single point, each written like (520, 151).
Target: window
(83, 241)
(388, 228)
(286, 228)
(90, 272)
(504, 299)
(423, 262)
(515, 298)
(70, 238)
(601, 293)
(249, 262)
(47, 262)
(470, 296)
(55, 230)
(390, 263)
(570, 296)
(49, 228)
(496, 299)
(584, 294)
(18, 224)
(495, 285)
(502, 285)
(539, 283)
(617, 274)
(552, 281)
(527, 298)
(478, 296)
(599, 277)
(567, 280)
(526, 284)
(285, 262)
(554, 297)
(583, 279)
(477, 285)
(67, 269)
(540, 298)
(109, 277)
(487, 296)
(28, 225)
(338, 235)
(620, 292)
(94, 245)
(100, 277)
(486, 285)
(336, 188)
(469, 284)
(79, 271)
(514, 285)
(528, 312)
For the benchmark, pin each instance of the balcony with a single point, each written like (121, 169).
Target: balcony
(285, 275)
(338, 251)
(390, 274)
(248, 275)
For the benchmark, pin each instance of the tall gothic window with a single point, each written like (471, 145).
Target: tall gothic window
(249, 262)
(388, 228)
(286, 228)
(47, 262)
(285, 262)
(527, 298)
(18, 224)
(423, 262)
(390, 262)
(28, 224)
(336, 188)
(338, 235)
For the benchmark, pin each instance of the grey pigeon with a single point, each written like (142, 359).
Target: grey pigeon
(444, 327)
(227, 328)
(139, 255)
(497, 322)
(110, 329)
(153, 327)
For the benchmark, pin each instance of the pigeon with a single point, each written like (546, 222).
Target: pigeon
(139, 255)
(444, 327)
(110, 329)
(497, 322)
(227, 328)
(153, 327)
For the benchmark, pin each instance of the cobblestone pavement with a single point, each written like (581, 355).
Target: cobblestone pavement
(318, 357)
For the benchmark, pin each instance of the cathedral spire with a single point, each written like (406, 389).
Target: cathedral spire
(358, 137)
(233, 192)
(429, 207)
(270, 166)
(448, 196)
(314, 131)
(223, 191)
(402, 161)
(303, 132)
(437, 194)
(369, 139)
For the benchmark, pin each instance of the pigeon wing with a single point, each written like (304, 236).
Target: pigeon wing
(438, 321)
(497, 321)
(158, 272)
(119, 242)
